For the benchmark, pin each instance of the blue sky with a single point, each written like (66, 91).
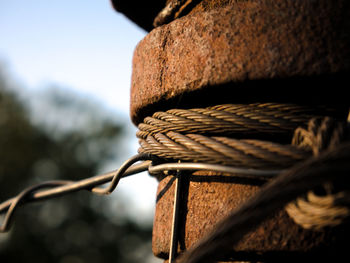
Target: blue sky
(83, 45)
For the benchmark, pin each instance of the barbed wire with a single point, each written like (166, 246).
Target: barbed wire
(150, 163)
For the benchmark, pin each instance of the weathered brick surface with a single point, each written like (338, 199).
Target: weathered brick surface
(245, 40)
(207, 201)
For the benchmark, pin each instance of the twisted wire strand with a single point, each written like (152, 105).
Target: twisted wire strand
(231, 119)
(19, 198)
(320, 134)
(317, 212)
(120, 173)
(58, 188)
(52, 189)
(222, 150)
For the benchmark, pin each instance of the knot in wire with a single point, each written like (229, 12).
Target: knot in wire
(321, 134)
(330, 207)
(21, 198)
(119, 174)
(60, 187)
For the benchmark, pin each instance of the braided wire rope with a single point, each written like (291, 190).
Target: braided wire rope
(171, 135)
(209, 134)
(232, 119)
(222, 150)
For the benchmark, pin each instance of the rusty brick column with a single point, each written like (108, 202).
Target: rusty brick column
(221, 51)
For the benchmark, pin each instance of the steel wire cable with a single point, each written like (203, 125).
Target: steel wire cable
(58, 188)
(222, 150)
(209, 134)
(232, 119)
(19, 198)
(52, 189)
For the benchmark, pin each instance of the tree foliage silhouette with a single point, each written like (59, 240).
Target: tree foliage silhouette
(75, 228)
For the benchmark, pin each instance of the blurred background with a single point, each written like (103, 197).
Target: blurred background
(65, 69)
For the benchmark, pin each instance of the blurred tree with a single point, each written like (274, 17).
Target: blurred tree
(72, 229)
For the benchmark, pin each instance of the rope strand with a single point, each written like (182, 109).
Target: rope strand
(232, 119)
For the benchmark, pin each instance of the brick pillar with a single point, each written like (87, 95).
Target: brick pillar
(235, 52)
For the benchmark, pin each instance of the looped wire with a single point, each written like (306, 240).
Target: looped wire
(57, 188)
(153, 164)
(316, 212)
(21, 198)
(121, 171)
